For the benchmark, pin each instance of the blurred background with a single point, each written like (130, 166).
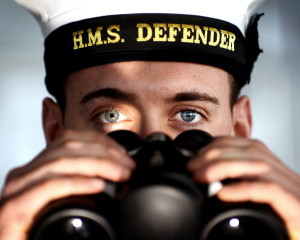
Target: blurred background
(274, 90)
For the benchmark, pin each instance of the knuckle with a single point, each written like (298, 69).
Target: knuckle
(71, 144)
(99, 147)
(6, 211)
(251, 149)
(7, 208)
(63, 165)
(13, 209)
(12, 174)
(256, 142)
(45, 183)
(211, 154)
(112, 152)
(69, 181)
(254, 146)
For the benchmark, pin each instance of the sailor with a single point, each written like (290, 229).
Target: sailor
(166, 66)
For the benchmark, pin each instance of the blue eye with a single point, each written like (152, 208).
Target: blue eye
(111, 116)
(188, 116)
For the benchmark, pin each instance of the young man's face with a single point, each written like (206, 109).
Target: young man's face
(147, 97)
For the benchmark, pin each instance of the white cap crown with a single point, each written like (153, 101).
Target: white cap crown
(53, 14)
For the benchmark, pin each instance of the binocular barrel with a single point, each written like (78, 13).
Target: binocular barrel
(160, 202)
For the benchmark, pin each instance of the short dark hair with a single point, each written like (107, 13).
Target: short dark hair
(60, 96)
(235, 90)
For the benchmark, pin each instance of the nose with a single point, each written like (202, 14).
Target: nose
(149, 126)
(154, 125)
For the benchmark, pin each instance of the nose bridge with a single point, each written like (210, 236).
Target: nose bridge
(151, 124)
(153, 118)
(153, 112)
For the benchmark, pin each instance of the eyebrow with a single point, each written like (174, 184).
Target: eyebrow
(193, 96)
(109, 93)
(117, 94)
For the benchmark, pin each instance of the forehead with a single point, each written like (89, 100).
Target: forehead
(144, 78)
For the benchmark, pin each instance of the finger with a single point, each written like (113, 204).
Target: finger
(230, 169)
(13, 232)
(90, 149)
(80, 150)
(81, 166)
(228, 149)
(111, 168)
(85, 136)
(75, 148)
(85, 144)
(239, 142)
(17, 214)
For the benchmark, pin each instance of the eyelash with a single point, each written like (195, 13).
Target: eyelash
(192, 109)
(98, 112)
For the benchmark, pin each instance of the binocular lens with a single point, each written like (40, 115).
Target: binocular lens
(242, 228)
(160, 202)
(75, 227)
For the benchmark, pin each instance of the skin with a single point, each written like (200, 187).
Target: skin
(79, 156)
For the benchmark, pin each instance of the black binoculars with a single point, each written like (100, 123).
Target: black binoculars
(159, 202)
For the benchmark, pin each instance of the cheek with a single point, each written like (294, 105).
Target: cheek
(225, 128)
(74, 121)
(222, 125)
(70, 122)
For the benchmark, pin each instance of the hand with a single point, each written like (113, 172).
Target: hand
(77, 163)
(264, 178)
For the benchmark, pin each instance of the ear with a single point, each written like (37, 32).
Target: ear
(242, 117)
(52, 120)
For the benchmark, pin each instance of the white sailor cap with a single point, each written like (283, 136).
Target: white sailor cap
(84, 33)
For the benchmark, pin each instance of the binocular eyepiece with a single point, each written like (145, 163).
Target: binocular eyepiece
(160, 202)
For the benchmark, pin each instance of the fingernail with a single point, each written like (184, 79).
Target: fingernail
(97, 183)
(214, 188)
(128, 161)
(122, 157)
(131, 163)
(126, 173)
